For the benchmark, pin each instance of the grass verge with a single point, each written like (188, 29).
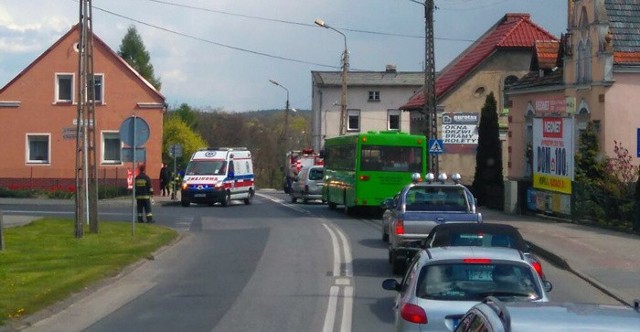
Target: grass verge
(43, 262)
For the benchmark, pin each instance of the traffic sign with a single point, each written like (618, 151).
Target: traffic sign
(175, 150)
(134, 131)
(436, 146)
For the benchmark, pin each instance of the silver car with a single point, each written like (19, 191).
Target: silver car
(494, 315)
(307, 185)
(442, 283)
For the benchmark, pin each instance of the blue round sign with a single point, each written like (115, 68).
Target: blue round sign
(134, 131)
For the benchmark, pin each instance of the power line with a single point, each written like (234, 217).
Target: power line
(214, 43)
(392, 34)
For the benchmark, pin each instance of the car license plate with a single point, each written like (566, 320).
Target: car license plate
(200, 195)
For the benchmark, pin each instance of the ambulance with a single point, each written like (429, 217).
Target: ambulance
(218, 175)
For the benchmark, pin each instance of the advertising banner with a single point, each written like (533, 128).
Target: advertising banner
(460, 132)
(553, 154)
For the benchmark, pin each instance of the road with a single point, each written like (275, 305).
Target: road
(270, 266)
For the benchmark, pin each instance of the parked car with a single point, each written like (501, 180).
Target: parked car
(483, 235)
(443, 283)
(497, 316)
(420, 206)
(307, 185)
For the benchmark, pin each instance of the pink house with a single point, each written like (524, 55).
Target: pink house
(38, 111)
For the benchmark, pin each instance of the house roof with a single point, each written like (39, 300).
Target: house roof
(513, 31)
(545, 54)
(624, 25)
(97, 42)
(369, 78)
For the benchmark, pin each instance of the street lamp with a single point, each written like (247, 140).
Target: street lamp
(286, 111)
(345, 71)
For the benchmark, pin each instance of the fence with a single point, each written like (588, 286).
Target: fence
(589, 205)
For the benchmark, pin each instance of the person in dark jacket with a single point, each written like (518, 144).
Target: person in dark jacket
(144, 192)
(165, 179)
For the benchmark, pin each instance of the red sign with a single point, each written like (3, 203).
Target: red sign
(129, 179)
(552, 127)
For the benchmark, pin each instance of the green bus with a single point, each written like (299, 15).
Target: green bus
(362, 170)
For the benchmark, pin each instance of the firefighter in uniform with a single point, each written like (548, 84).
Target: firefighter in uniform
(144, 191)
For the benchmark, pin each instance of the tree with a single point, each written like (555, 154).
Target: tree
(132, 50)
(187, 114)
(175, 131)
(589, 170)
(488, 179)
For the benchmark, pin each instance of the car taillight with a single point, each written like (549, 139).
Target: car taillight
(413, 313)
(399, 226)
(538, 267)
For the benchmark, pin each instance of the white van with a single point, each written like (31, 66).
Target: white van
(218, 175)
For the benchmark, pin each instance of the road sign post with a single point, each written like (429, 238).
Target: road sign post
(175, 151)
(134, 131)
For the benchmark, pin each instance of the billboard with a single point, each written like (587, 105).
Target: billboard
(460, 132)
(553, 154)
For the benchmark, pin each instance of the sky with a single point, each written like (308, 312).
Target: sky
(222, 54)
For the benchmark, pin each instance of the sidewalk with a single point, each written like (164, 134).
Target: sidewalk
(607, 259)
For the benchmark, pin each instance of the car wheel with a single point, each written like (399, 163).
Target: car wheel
(398, 265)
(305, 201)
(293, 199)
(332, 206)
(227, 199)
(247, 201)
(385, 236)
(185, 203)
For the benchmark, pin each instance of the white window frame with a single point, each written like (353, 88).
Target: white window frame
(101, 88)
(110, 135)
(394, 113)
(28, 140)
(59, 76)
(374, 95)
(353, 114)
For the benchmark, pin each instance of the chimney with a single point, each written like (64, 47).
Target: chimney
(391, 69)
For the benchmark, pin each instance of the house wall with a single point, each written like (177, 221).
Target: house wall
(38, 112)
(463, 98)
(373, 114)
(621, 119)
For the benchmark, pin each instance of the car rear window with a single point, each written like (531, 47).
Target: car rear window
(461, 281)
(436, 199)
(315, 174)
(483, 240)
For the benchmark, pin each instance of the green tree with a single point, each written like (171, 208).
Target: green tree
(589, 170)
(488, 179)
(132, 50)
(187, 114)
(176, 131)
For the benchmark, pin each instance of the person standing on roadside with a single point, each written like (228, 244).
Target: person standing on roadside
(165, 178)
(144, 192)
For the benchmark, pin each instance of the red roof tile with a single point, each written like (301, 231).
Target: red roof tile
(546, 52)
(512, 31)
(626, 57)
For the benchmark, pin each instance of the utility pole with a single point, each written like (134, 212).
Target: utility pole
(429, 108)
(86, 172)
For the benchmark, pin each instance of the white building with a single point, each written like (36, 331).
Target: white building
(373, 99)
